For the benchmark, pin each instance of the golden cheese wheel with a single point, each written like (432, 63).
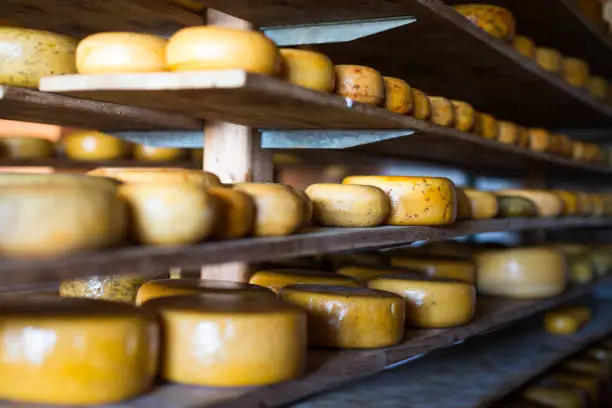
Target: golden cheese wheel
(495, 20)
(359, 83)
(421, 107)
(516, 207)
(348, 317)
(585, 205)
(434, 267)
(580, 269)
(539, 139)
(523, 137)
(522, 273)
(206, 48)
(579, 151)
(465, 116)
(398, 95)
(415, 200)
(93, 145)
(483, 204)
(169, 213)
(567, 147)
(570, 201)
(307, 206)
(121, 52)
(566, 320)
(557, 397)
(309, 69)
(119, 288)
(190, 286)
(235, 211)
(508, 132)
(345, 205)
(278, 209)
(276, 279)
(442, 111)
(547, 203)
(76, 351)
(576, 72)
(486, 126)
(58, 179)
(549, 59)
(431, 303)
(464, 207)
(597, 205)
(28, 55)
(230, 341)
(365, 273)
(525, 46)
(158, 176)
(26, 147)
(598, 87)
(157, 154)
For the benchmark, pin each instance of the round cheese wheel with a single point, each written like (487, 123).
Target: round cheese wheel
(521, 273)
(169, 213)
(93, 145)
(26, 147)
(523, 137)
(525, 46)
(579, 151)
(359, 83)
(431, 304)
(576, 72)
(486, 126)
(508, 132)
(516, 207)
(598, 87)
(597, 205)
(276, 279)
(580, 269)
(442, 111)
(190, 286)
(203, 48)
(483, 204)
(495, 20)
(415, 200)
(117, 52)
(398, 95)
(539, 139)
(421, 106)
(438, 267)
(549, 59)
(307, 206)
(346, 317)
(28, 55)
(119, 288)
(548, 204)
(55, 179)
(558, 397)
(278, 209)
(309, 69)
(76, 351)
(464, 208)
(585, 205)
(344, 205)
(159, 175)
(365, 273)
(465, 116)
(570, 201)
(566, 320)
(157, 154)
(230, 341)
(235, 213)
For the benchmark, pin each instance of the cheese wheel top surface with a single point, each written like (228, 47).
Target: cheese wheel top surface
(74, 180)
(207, 284)
(276, 279)
(158, 175)
(347, 291)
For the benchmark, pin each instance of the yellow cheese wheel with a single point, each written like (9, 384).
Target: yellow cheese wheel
(235, 212)
(508, 132)
(58, 179)
(486, 126)
(205, 48)
(483, 204)
(117, 52)
(93, 145)
(421, 107)
(495, 20)
(579, 152)
(276, 279)
(415, 200)
(359, 83)
(158, 176)
(548, 204)
(442, 111)
(307, 206)
(438, 267)
(347, 317)
(309, 69)
(585, 205)
(581, 269)
(464, 207)
(398, 95)
(525, 46)
(515, 207)
(278, 209)
(157, 154)
(549, 59)
(345, 205)
(190, 286)
(597, 205)
(76, 351)
(557, 397)
(539, 139)
(523, 138)
(598, 87)
(566, 145)
(576, 72)
(431, 304)
(25, 147)
(119, 288)
(465, 116)
(230, 341)
(521, 273)
(29, 55)
(365, 273)
(566, 320)
(570, 201)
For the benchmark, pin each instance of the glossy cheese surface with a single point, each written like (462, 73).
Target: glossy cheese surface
(398, 95)
(359, 83)
(549, 59)
(26, 147)
(276, 279)
(158, 176)
(483, 204)
(566, 320)
(548, 204)
(465, 116)
(442, 111)
(235, 213)
(93, 145)
(438, 267)
(119, 288)
(309, 69)
(486, 126)
(155, 154)
(348, 317)
(495, 20)
(525, 46)
(421, 108)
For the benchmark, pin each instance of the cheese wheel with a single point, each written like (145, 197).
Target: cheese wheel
(58, 179)
(549, 59)
(365, 273)
(580, 269)
(398, 95)
(169, 214)
(206, 48)
(464, 207)
(344, 205)
(29, 55)
(276, 279)
(93, 145)
(190, 286)
(576, 72)
(598, 87)
(566, 320)
(157, 154)
(523, 137)
(486, 126)
(25, 147)
(483, 204)
(235, 211)
(421, 107)
(585, 204)
(566, 145)
(465, 116)
(119, 288)
(438, 267)
(230, 341)
(570, 201)
(431, 304)
(525, 46)
(278, 209)
(557, 397)
(442, 111)
(547, 203)
(359, 83)
(120, 52)
(55, 219)
(597, 205)
(539, 139)
(522, 273)
(415, 200)
(495, 20)
(159, 176)
(508, 132)
(309, 69)
(76, 351)
(346, 317)
(307, 206)
(516, 207)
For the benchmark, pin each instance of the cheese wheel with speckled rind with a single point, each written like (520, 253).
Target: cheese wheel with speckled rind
(398, 95)
(421, 108)
(442, 111)
(359, 83)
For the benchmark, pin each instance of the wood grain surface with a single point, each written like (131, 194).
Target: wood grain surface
(61, 163)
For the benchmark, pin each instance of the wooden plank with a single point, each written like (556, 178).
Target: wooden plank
(67, 164)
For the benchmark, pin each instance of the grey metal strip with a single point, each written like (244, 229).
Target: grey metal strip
(187, 139)
(326, 139)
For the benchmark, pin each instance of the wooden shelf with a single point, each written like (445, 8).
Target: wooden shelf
(152, 260)
(64, 163)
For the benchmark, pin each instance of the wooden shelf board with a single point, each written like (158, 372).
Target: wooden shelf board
(65, 163)
(141, 259)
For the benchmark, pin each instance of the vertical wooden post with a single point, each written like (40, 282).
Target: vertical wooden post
(234, 153)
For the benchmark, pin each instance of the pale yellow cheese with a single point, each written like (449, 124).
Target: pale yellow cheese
(309, 69)
(26, 147)
(347, 317)
(398, 95)
(359, 83)
(235, 213)
(465, 116)
(566, 320)
(119, 288)
(158, 176)
(276, 279)
(484, 204)
(421, 108)
(495, 20)
(93, 145)
(549, 59)
(548, 204)
(525, 46)
(157, 154)
(508, 132)
(438, 267)
(576, 72)
(442, 111)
